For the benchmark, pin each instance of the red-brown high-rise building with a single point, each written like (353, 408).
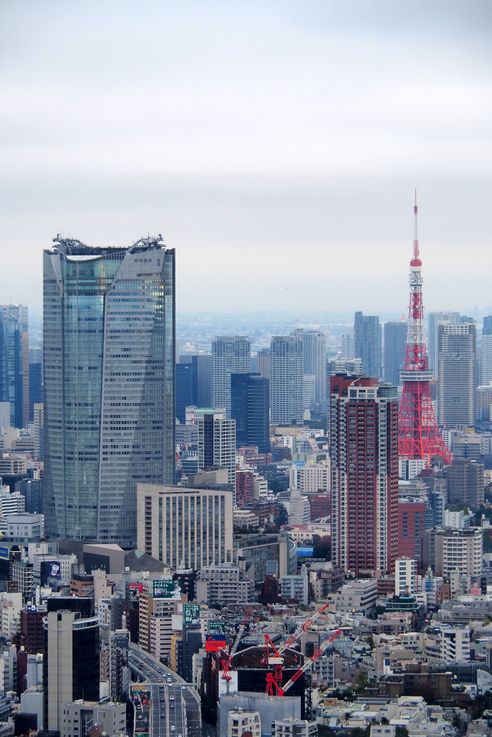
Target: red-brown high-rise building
(364, 457)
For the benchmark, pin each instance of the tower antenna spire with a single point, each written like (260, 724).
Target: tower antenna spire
(416, 251)
(419, 436)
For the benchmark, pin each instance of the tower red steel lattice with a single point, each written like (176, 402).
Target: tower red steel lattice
(419, 435)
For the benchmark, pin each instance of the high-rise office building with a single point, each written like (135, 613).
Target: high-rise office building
(314, 360)
(201, 365)
(486, 359)
(367, 343)
(457, 371)
(71, 662)
(286, 385)
(231, 354)
(185, 393)
(109, 360)
(14, 362)
(263, 360)
(466, 483)
(453, 318)
(395, 337)
(216, 440)
(185, 527)
(364, 479)
(487, 325)
(250, 408)
(193, 383)
(35, 378)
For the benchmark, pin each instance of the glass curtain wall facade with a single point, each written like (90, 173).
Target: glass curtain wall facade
(14, 362)
(109, 362)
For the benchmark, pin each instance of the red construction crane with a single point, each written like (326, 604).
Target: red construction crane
(273, 655)
(226, 659)
(274, 684)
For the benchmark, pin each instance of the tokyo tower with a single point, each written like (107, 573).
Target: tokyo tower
(419, 435)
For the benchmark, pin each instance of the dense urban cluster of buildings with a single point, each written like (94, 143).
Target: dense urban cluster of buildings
(268, 535)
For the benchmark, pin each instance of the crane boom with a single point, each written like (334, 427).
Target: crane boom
(302, 628)
(272, 680)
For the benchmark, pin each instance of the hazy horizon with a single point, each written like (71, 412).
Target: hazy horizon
(276, 145)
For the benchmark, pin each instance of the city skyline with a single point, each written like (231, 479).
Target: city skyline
(283, 138)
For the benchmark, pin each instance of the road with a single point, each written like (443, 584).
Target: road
(172, 708)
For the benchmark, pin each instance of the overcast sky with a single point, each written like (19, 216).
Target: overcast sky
(276, 145)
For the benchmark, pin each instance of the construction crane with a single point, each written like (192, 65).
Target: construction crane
(302, 628)
(274, 685)
(226, 657)
(273, 655)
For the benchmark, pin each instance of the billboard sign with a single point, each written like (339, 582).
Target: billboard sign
(191, 613)
(215, 626)
(166, 589)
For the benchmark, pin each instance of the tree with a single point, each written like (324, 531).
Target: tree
(282, 517)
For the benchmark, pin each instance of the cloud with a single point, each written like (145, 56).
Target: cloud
(276, 144)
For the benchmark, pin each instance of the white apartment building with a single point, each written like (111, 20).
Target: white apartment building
(405, 576)
(240, 722)
(458, 550)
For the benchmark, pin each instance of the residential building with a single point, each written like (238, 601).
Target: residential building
(240, 723)
(14, 362)
(231, 354)
(466, 482)
(223, 585)
(455, 643)
(79, 716)
(457, 362)
(395, 336)
(411, 526)
(286, 380)
(250, 408)
(185, 527)
(367, 337)
(405, 576)
(109, 376)
(364, 474)
(457, 550)
(294, 728)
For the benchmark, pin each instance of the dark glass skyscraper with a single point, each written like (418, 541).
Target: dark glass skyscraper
(109, 363)
(185, 388)
(367, 338)
(250, 407)
(395, 337)
(14, 362)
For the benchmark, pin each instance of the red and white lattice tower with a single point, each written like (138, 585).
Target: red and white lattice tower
(419, 435)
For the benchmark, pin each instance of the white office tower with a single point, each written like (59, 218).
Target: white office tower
(457, 366)
(486, 360)
(216, 440)
(231, 354)
(314, 361)
(405, 576)
(286, 380)
(435, 318)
